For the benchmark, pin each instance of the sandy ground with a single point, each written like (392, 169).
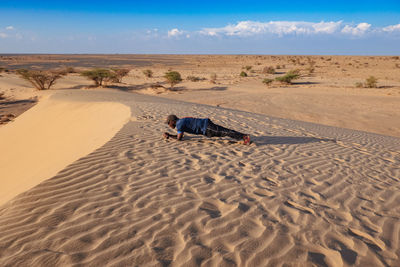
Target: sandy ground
(302, 194)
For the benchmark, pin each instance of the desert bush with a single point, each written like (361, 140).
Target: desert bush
(194, 78)
(99, 76)
(289, 76)
(247, 68)
(41, 80)
(173, 77)
(70, 70)
(119, 74)
(243, 74)
(269, 70)
(213, 78)
(148, 73)
(371, 82)
(267, 81)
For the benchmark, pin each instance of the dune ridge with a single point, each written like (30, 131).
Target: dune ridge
(51, 135)
(303, 194)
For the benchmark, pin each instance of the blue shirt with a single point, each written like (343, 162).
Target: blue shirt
(192, 125)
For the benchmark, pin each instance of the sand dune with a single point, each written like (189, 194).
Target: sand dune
(50, 136)
(302, 194)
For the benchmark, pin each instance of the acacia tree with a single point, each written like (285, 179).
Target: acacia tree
(119, 74)
(173, 77)
(41, 80)
(99, 76)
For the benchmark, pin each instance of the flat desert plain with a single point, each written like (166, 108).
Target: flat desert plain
(87, 179)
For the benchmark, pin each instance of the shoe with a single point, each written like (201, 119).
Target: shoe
(246, 139)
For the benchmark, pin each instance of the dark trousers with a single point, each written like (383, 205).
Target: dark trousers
(219, 131)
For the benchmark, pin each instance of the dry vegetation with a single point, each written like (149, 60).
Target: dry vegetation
(41, 80)
(328, 71)
(102, 76)
(148, 73)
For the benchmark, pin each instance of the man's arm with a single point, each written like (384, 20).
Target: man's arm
(178, 137)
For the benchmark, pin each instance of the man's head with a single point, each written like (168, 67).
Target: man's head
(171, 120)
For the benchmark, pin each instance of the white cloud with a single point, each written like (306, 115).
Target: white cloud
(3, 35)
(248, 28)
(175, 33)
(327, 27)
(392, 28)
(10, 28)
(281, 28)
(360, 29)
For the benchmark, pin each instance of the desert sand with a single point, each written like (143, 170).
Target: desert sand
(110, 191)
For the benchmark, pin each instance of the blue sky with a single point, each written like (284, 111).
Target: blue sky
(201, 27)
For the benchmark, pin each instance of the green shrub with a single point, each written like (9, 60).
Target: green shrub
(148, 73)
(289, 76)
(119, 74)
(173, 77)
(371, 82)
(269, 70)
(243, 74)
(194, 78)
(41, 80)
(99, 76)
(267, 81)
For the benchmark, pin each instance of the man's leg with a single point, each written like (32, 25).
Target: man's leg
(219, 131)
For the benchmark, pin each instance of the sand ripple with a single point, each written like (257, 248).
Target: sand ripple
(301, 195)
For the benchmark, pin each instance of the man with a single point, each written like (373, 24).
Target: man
(201, 126)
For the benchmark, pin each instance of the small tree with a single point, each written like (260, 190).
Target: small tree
(371, 82)
(148, 73)
(243, 74)
(267, 81)
(119, 74)
(41, 80)
(289, 76)
(173, 77)
(99, 76)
